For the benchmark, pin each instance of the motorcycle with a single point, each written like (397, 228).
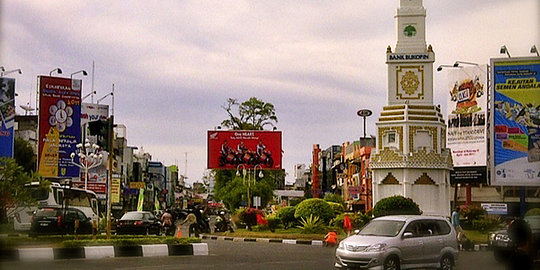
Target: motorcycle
(223, 223)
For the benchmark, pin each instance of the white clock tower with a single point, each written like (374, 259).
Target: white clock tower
(411, 158)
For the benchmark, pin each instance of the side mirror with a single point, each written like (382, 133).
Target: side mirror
(407, 235)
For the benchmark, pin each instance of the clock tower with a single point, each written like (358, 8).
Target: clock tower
(411, 158)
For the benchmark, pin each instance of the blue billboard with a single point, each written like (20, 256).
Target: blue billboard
(7, 115)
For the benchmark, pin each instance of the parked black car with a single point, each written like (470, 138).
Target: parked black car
(138, 222)
(503, 246)
(57, 220)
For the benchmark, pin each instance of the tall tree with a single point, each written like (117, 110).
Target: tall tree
(12, 190)
(24, 155)
(252, 114)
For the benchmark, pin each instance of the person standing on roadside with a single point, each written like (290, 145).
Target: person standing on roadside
(347, 225)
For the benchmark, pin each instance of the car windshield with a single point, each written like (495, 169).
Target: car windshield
(534, 222)
(382, 228)
(47, 212)
(132, 216)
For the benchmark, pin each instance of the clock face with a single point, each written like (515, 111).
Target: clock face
(409, 31)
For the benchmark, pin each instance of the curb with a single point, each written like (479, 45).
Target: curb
(265, 240)
(100, 252)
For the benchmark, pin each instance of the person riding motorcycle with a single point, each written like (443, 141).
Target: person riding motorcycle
(223, 223)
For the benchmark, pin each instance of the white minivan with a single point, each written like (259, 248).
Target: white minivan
(400, 242)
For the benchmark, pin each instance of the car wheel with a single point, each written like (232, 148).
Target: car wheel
(447, 262)
(391, 263)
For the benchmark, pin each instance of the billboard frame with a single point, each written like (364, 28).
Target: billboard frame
(268, 157)
(494, 172)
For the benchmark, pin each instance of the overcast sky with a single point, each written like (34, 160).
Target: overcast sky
(175, 63)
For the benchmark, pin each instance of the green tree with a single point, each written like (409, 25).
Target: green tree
(12, 191)
(232, 189)
(253, 114)
(24, 155)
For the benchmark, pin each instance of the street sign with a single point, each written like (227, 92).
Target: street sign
(364, 113)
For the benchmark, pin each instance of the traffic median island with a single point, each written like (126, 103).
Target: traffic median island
(102, 248)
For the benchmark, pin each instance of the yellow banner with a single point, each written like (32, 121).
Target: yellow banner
(137, 185)
(115, 190)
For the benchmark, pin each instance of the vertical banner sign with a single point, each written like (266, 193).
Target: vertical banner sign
(115, 190)
(467, 115)
(515, 120)
(229, 149)
(141, 200)
(97, 177)
(7, 116)
(59, 125)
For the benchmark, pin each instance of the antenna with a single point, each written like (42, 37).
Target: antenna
(185, 171)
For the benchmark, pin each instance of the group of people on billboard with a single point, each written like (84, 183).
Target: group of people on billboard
(243, 155)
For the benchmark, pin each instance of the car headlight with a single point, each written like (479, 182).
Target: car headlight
(492, 236)
(341, 245)
(376, 248)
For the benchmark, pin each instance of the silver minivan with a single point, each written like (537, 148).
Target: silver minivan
(400, 242)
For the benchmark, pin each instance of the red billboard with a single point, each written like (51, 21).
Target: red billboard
(229, 149)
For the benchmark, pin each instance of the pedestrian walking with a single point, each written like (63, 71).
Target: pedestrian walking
(191, 219)
(347, 225)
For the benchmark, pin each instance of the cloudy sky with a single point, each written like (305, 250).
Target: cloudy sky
(175, 63)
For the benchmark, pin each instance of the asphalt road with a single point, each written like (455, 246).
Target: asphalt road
(240, 255)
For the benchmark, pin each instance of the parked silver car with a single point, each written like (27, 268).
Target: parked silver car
(400, 242)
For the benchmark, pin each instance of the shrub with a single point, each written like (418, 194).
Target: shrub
(396, 205)
(533, 212)
(337, 207)
(248, 217)
(286, 214)
(471, 213)
(332, 197)
(312, 224)
(485, 224)
(314, 207)
(273, 222)
(357, 220)
(296, 201)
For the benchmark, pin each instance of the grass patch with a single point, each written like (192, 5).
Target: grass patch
(476, 236)
(87, 240)
(291, 233)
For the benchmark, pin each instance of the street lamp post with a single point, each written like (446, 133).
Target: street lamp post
(88, 158)
(244, 173)
(261, 175)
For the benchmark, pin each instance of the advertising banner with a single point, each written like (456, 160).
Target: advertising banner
(59, 125)
(115, 190)
(229, 149)
(97, 177)
(515, 141)
(7, 116)
(466, 105)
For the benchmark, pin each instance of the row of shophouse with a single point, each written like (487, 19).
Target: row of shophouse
(344, 169)
(162, 186)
